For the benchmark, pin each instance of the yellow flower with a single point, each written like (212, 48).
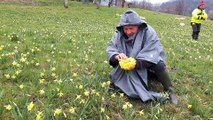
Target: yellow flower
(80, 87)
(72, 110)
(57, 112)
(103, 84)
(189, 106)
(21, 86)
(7, 76)
(82, 101)
(125, 106)
(8, 107)
(41, 92)
(39, 116)
(41, 81)
(60, 94)
(53, 69)
(113, 95)
(30, 106)
(74, 74)
(141, 113)
(127, 64)
(108, 82)
(102, 110)
(97, 94)
(78, 97)
(86, 93)
(53, 74)
(42, 74)
(121, 95)
(13, 77)
(14, 63)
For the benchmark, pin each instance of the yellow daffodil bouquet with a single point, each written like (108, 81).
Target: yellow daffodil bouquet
(127, 64)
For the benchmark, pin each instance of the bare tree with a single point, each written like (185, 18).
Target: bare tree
(66, 3)
(179, 8)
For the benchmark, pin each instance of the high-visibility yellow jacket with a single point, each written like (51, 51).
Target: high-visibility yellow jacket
(198, 15)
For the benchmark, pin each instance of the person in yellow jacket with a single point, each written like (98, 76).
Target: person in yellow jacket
(198, 15)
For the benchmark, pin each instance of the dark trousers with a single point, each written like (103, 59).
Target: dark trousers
(196, 30)
(159, 71)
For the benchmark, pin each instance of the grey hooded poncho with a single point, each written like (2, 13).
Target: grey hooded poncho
(144, 45)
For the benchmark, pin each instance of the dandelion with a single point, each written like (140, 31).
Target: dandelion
(39, 116)
(127, 64)
(141, 113)
(30, 106)
(72, 110)
(57, 112)
(189, 106)
(8, 107)
(21, 86)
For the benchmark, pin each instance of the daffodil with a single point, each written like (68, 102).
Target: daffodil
(60, 94)
(102, 110)
(121, 95)
(80, 87)
(30, 106)
(39, 116)
(86, 93)
(21, 86)
(189, 106)
(57, 112)
(41, 92)
(41, 81)
(74, 74)
(8, 107)
(98, 94)
(53, 69)
(42, 75)
(113, 95)
(72, 110)
(127, 64)
(141, 113)
(7, 76)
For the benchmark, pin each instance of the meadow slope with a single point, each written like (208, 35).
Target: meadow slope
(53, 64)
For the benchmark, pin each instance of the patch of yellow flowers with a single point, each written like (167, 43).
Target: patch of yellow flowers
(127, 64)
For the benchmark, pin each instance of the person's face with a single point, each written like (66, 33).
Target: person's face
(130, 30)
(202, 6)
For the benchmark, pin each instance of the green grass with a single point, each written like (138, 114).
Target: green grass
(36, 38)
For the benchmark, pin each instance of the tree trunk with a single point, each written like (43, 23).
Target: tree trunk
(66, 3)
(123, 1)
(110, 3)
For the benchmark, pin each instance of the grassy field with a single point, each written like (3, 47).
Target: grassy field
(53, 64)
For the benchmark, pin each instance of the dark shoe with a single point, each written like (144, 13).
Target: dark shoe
(173, 98)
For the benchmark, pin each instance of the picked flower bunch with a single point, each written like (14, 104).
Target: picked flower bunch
(128, 63)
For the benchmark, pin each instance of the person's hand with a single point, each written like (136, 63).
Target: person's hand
(120, 56)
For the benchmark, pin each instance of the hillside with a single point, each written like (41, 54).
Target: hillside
(53, 64)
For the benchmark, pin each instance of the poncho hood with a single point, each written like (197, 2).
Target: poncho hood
(130, 17)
